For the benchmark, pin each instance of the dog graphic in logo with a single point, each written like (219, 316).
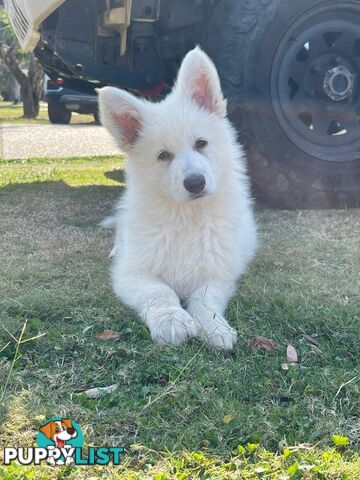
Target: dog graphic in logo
(62, 434)
(59, 431)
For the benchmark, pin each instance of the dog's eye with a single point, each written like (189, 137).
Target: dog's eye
(165, 156)
(200, 144)
(57, 429)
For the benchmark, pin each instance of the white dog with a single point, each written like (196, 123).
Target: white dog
(185, 229)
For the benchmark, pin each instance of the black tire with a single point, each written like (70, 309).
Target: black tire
(58, 114)
(247, 41)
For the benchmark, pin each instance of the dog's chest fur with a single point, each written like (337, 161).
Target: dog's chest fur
(185, 247)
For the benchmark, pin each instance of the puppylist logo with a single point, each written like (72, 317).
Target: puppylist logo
(60, 442)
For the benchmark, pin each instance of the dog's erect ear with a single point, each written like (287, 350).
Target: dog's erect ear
(48, 430)
(199, 80)
(120, 113)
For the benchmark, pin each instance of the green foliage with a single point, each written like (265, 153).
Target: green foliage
(6, 83)
(6, 37)
(340, 441)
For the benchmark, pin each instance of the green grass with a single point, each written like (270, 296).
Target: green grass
(74, 172)
(10, 113)
(181, 413)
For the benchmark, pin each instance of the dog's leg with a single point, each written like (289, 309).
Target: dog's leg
(207, 305)
(159, 307)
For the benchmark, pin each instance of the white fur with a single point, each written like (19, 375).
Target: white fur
(177, 259)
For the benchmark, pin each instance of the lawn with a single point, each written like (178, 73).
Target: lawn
(10, 113)
(187, 412)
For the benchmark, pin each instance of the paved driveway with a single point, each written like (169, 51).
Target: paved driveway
(26, 140)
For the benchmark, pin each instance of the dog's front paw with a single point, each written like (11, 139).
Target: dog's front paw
(171, 327)
(218, 333)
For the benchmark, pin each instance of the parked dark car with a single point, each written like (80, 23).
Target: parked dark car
(63, 101)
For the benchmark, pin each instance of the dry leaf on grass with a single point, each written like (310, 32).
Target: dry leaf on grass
(263, 343)
(227, 418)
(94, 393)
(291, 354)
(109, 335)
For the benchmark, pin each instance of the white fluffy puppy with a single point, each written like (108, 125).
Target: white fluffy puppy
(184, 229)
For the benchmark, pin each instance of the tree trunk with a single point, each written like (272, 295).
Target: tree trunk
(31, 109)
(30, 85)
(36, 78)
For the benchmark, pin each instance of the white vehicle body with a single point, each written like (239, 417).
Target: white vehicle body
(26, 17)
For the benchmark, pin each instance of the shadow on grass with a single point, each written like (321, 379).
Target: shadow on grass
(116, 175)
(77, 206)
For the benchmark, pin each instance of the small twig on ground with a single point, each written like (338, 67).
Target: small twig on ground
(343, 385)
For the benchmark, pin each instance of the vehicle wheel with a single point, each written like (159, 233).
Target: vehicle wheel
(291, 73)
(58, 113)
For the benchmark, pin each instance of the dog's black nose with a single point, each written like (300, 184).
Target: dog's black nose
(195, 183)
